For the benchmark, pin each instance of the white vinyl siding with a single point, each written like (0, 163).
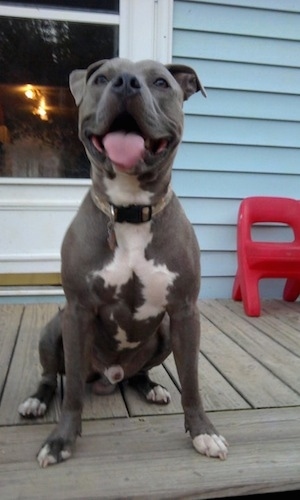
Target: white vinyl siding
(244, 139)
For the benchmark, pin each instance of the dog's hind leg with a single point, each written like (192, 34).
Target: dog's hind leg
(161, 347)
(52, 361)
(153, 392)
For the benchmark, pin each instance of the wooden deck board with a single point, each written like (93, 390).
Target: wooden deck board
(257, 384)
(282, 328)
(151, 457)
(139, 407)
(10, 320)
(25, 368)
(217, 393)
(275, 357)
(133, 449)
(99, 407)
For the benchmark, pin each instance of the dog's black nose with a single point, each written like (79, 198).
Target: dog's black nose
(126, 84)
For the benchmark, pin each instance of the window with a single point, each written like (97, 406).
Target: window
(38, 117)
(43, 167)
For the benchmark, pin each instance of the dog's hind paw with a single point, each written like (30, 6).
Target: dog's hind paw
(159, 395)
(48, 456)
(32, 407)
(211, 445)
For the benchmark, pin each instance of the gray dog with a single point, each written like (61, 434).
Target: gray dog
(130, 259)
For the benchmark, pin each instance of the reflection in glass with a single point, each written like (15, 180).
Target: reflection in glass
(38, 118)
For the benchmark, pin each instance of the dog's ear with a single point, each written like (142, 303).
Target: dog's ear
(79, 77)
(187, 79)
(77, 82)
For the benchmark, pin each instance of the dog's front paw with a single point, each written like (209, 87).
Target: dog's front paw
(32, 408)
(211, 445)
(53, 452)
(159, 395)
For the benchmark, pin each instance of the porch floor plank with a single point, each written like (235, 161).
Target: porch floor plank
(99, 407)
(138, 406)
(260, 387)
(249, 373)
(283, 329)
(217, 393)
(281, 362)
(25, 369)
(152, 458)
(10, 320)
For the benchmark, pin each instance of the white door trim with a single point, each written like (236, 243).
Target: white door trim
(35, 212)
(146, 29)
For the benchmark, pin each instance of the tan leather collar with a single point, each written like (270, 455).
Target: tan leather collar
(133, 213)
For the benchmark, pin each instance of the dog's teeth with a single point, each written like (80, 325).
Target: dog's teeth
(97, 143)
(162, 145)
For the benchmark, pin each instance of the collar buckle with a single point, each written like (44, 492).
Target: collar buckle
(135, 214)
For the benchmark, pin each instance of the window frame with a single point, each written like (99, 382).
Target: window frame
(150, 21)
(35, 212)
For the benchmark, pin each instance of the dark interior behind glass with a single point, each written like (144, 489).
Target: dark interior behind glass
(38, 117)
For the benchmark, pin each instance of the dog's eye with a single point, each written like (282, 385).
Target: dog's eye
(100, 80)
(161, 82)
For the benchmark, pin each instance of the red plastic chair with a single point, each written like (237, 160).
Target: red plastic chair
(260, 259)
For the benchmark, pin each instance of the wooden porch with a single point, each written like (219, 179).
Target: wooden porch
(250, 381)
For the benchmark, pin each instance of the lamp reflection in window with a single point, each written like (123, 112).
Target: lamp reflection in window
(41, 110)
(30, 92)
(36, 96)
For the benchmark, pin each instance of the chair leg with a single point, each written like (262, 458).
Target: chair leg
(291, 290)
(236, 289)
(250, 294)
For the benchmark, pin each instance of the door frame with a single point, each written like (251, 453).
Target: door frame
(35, 212)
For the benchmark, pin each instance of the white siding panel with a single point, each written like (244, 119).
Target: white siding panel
(218, 264)
(280, 5)
(245, 104)
(252, 77)
(211, 211)
(241, 131)
(215, 287)
(218, 286)
(216, 238)
(220, 47)
(222, 185)
(244, 139)
(235, 158)
(204, 17)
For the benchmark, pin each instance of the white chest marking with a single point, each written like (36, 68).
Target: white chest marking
(125, 189)
(121, 337)
(129, 259)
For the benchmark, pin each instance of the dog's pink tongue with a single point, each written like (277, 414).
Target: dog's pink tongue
(124, 150)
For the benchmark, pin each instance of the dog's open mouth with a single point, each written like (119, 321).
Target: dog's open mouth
(125, 144)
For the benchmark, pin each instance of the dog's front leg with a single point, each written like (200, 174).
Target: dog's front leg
(185, 334)
(76, 325)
